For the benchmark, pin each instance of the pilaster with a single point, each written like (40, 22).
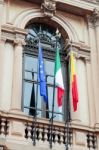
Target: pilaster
(91, 103)
(81, 53)
(12, 70)
(2, 48)
(92, 26)
(17, 75)
(1, 11)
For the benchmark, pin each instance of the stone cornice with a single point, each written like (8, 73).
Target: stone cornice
(91, 1)
(84, 4)
(76, 6)
(11, 33)
(81, 7)
(81, 51)
(1, 1)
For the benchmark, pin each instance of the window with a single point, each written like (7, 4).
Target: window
(46, 34)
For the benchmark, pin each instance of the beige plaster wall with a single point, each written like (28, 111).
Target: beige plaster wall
(13, 8)
(79, 25)
(83, 93)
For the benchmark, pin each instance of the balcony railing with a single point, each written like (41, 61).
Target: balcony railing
(41, 132)
(60, 134)
(4, 126)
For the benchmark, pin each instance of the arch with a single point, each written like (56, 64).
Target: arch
(24, 17)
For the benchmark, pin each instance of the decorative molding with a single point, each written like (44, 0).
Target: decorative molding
(91, 1)
(82, 140)
(11, 33)
(80, 50)
(19, 42)
(1, 1)
(93, 20)
(48, 7)
(3, 40)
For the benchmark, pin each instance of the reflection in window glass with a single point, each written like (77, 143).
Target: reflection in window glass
(30, 87)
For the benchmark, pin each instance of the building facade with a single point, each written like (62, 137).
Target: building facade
(73, 25)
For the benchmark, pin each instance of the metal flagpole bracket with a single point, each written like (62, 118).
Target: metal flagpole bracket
(35, 118)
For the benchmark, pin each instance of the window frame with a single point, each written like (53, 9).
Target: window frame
(27, 51)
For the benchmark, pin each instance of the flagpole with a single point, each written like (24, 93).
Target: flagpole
(68, 102)
(35, 116)
(47, 104)
(57, 37)
(52, 112)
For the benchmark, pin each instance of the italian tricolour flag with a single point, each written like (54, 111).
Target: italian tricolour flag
(74, 91)
(59, 80)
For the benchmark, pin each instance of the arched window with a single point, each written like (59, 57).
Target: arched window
(46, 34)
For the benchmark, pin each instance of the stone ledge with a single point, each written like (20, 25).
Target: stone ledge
(25, 118)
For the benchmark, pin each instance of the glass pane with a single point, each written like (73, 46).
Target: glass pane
(28, 75)
(56, 109)
(30, 63)
(31, 75)
(30, 99)
(49, 66)
(28, 96)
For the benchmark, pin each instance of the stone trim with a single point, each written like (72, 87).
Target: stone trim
(1, 1)
(82, 7)
(93, 19)
(81, 51)
(11, 33)
(24, 118)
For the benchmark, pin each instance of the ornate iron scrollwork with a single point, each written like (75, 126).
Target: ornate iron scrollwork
(47, 37)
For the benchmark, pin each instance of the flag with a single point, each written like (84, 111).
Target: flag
(42, 78)
(74, 91)
(32, 102)
(59, 79)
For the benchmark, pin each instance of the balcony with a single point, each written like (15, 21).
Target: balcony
(42, 134)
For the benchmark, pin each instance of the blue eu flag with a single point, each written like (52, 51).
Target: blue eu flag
(42, 79)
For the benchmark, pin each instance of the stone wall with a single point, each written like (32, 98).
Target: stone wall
(82, 30)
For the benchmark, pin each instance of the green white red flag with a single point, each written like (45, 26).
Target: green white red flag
(59, 79)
